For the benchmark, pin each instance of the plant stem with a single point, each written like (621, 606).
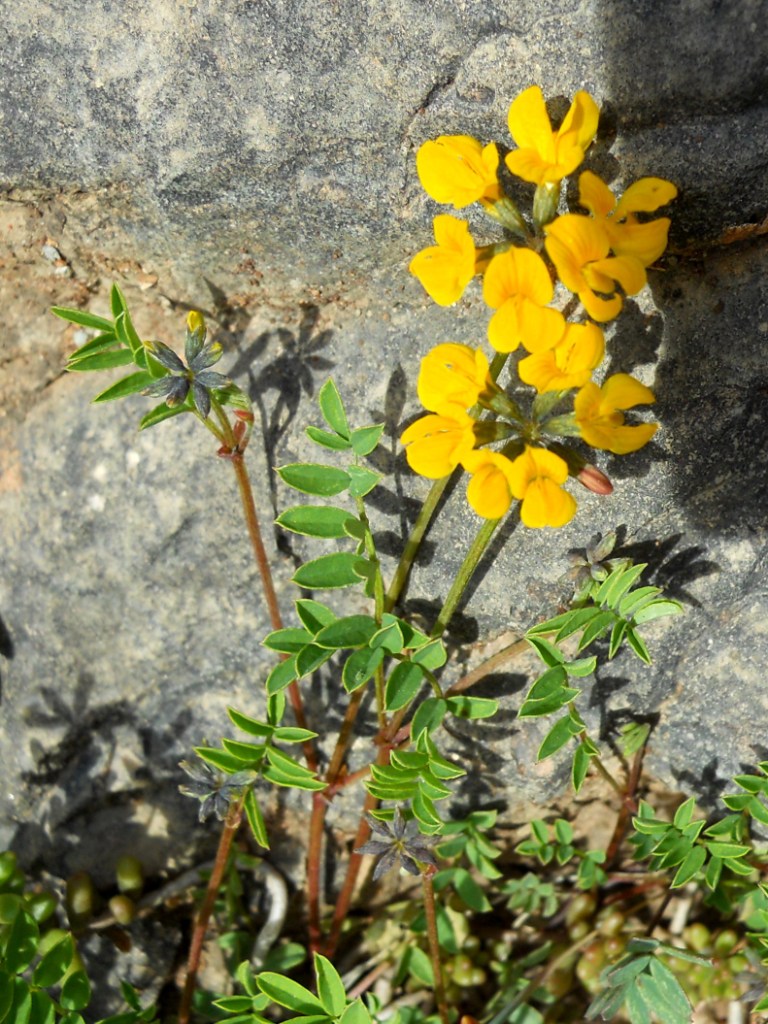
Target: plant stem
(413, 543)
(488, 666)
(463, 576)
(228, 832)
(434, 946)
(254, 532)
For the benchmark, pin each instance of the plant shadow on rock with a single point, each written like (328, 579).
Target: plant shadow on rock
(7, 649)
(290, 374)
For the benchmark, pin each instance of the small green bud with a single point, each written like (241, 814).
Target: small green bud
(123, 909)
(7, 865)
(581, 908)
(610, 923)
(726, 941)
(80, 898)
(578, 930)
(697, 937)
(130, 875)
(560, 982)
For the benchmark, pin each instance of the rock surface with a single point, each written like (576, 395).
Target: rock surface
(259, 163)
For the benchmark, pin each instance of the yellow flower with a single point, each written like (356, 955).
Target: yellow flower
(628, 237)
(518, 286)
(579, 246)
(489, 492)
(536, 478)
(455, 374)
(446, 269)
(434, 445)
(600, 421)
(457, 169)
(569, 364)
(544, 155)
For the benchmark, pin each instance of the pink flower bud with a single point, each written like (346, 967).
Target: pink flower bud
(595, 480)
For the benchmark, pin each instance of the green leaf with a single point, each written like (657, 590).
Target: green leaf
(433, 656)
(351, 631)
(429, 716)
(637, 644)
(250, 754)
(42, 1011)
(549, 653)
(292, 734)
(79, 316)
(618, 583)
(689, 867)
(328, 439)
(580, 766)
(365, 439)
(315, 520)
(21, 943)
(256, 819)
(101, 343)
(470, 892)
(329, 572)
(363, 481)
(55, 963)
(129, 385)
(727, 851)
(161, 413)
(310, 658)
(657, 610)
(101, 361)
(403, 685)
(285, 957)
(288, 993)
(332, 408)
(75, 992)
(314, 614)
(390, 636)
(221, 759)
(250, 725)
(581, 667)
(290, 640)
(315, 478)
(664, 995)
(126, 332)
(359, 667)
(21, 1003)
(330, 988)
(356, 1013)
(556, 738)
(282, 675)
(470, 707)
(595, 628)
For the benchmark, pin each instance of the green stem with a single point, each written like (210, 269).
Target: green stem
(413, 543)
(463, 576)
(434, 946)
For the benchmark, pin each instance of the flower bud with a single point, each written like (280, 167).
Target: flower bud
(595, 480)
(129, 875)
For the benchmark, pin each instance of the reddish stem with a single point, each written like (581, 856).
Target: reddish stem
(228, 834)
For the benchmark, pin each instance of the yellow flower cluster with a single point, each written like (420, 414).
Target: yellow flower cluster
(600, 256)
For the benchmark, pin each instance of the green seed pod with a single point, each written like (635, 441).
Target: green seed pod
(588, 974)
(7, 866)
(697, 937)
(610, 923)
(477, 976)
(581, 908)
(579, 930)
(462, 970)
(560, 982)
(41, 905)
(737, 963)
(471, 944)
(726, 942)
(123, 909)
(614, 947)
(80, 898)
(130, 875)
(594, 953)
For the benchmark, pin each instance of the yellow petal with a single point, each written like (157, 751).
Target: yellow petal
(621, 391)
(504, 327)
(546, 504)
(595, 195)
(529, 123)
(435, 444)
(540, 327)
(628, 271)
(581, 119)
(621, 439)
(488, 492)
(451, 373)
(528, 165)
(646, 195)
(517, 271)
(645, 242)
(585, 238)
(453, 169)
(600, 309)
